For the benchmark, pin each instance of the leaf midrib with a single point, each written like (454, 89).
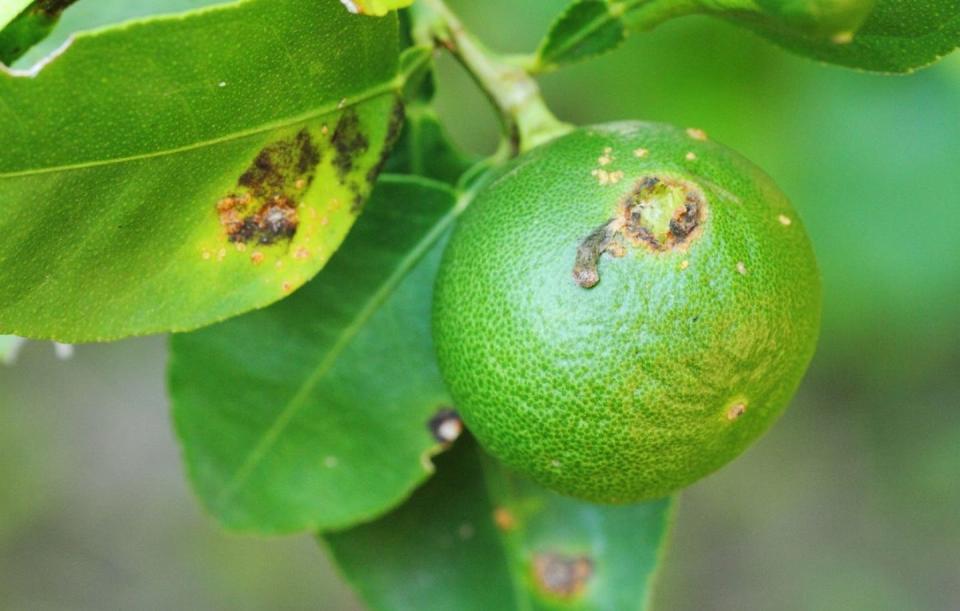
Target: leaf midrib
(390, 87)
(270, 437)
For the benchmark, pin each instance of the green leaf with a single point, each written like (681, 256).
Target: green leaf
(313, 413)
(212, 166)
(476, 537)
(586, 29)
(32, 25)
(896, 36)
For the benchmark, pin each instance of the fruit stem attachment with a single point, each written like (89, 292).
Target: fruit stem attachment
(524, 116)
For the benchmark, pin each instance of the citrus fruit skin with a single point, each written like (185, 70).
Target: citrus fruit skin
(624, 309)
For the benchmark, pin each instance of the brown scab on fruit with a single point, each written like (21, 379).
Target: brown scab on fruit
(658, 213)
(562, 576)
(263, 207)
(446, 425)
(736, 410)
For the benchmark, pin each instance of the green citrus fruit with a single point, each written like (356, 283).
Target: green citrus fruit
(624, 309)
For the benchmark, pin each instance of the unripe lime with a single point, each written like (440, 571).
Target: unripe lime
(624, 309)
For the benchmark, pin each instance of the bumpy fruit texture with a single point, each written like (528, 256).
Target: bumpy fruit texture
(625, 309)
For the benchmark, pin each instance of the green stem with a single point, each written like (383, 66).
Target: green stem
(525, 118)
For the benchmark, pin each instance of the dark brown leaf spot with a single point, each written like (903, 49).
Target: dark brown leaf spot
(445, 425)
(263, 209)
(562, 576)
(349, 143)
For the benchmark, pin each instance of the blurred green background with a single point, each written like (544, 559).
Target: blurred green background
(851, 502)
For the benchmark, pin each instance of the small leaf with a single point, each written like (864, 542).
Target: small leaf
(375, 7)
(313, 413)
(142, 195)
(477, 537)
(586, 29)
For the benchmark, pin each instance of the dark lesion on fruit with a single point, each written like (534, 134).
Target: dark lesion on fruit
(263, 206)
(659, 213)
(562, 576)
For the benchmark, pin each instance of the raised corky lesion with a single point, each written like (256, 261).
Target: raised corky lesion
(659, 213)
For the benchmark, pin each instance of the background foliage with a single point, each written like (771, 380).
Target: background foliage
(850, 502)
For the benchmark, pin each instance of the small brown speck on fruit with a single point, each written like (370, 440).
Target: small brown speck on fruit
(301, 253)
(640, 152)
(784, 220)
(736, 410)
(602, 176)
(741, 268)
(691, 156)
(287, 287)
(256, 257)
(562, 576)
(504, 519)
(684, 264)
(446, 425)
(696, 134)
